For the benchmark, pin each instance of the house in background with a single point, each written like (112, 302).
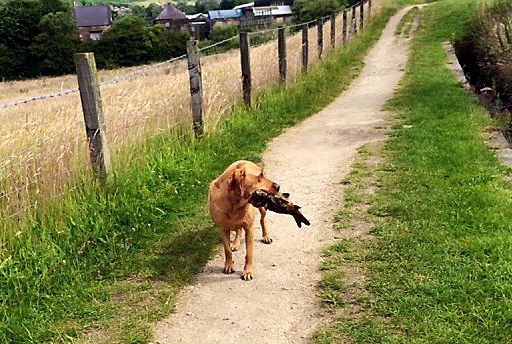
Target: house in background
(265, 13)
(279, 10)
(279, 14)
(249, 20)
(92, 21)
(198, 25)
(264, 3)
(223, 17)
(173, 19)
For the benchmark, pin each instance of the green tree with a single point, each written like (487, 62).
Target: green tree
(185, 7)
(53, 48)
(227, 4)
(148, 13)
(166, 44)
(126, 43)
(19, 25)
(203, 6)
(306, 10)
(241, 2)
(222, 32)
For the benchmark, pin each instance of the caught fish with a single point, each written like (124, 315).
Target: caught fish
(278, 203)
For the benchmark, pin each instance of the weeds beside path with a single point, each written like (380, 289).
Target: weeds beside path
(439, 266)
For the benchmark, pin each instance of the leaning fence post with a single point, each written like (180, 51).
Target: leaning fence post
(354, 21)
(196, 87)
(281, 50)
(305, 48)
(344, 32)
(361, 16)
(246, 68)
(90, 97)
(320, 30)
(333, 30)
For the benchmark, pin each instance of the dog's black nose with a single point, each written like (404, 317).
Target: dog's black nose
(276, 186)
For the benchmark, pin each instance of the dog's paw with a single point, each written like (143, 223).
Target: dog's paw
(228, 269)
(234, 246)
(267, 239)
(246, 275)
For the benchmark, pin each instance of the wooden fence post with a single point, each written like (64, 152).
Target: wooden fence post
(320, 30)
(344, 32)
(281, 50)
(246, 68)
(361, 16)
(333, 30)
(196, 87)
(305, 48)
(354, 21)
(90, 97)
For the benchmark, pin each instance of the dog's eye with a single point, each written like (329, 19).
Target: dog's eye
(261, 175)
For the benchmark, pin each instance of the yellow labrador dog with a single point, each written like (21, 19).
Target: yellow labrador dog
(231, 211)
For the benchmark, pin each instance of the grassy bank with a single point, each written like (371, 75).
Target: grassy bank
(437, 263)
(101, 265)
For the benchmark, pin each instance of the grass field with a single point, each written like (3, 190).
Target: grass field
(436, 266)
(101, 263)
(43, 145)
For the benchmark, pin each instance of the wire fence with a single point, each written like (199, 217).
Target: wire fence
(43, 142)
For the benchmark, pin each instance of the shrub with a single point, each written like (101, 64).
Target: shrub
(485, 52)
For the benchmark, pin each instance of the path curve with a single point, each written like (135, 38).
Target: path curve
(309, 160)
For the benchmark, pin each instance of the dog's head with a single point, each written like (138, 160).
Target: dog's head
(248, 177)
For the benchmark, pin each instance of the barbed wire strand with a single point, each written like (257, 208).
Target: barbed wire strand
(47, 96)
(141, 71)
(218, 43)
(16, 190)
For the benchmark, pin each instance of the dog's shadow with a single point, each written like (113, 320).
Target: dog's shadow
(179, 256)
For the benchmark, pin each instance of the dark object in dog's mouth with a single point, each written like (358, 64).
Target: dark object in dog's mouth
(278, 203)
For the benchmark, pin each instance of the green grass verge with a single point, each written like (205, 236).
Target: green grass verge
(108, 262)
(439, 267)
(406, 26)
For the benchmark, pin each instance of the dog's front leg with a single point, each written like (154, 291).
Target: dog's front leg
(249, 246)
(229, 263)
(235, 245)
(267, 238)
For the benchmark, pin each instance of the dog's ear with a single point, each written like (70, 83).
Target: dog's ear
(237, 183)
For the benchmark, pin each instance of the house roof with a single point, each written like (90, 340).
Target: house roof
(92, 15)
(274, 10)
(239, 7)
(169, 12)
(224, 14)
(197, 16)
(260, 3)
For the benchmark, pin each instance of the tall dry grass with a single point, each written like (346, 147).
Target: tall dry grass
(43, 147)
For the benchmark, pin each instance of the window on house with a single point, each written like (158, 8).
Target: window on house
(95, 36)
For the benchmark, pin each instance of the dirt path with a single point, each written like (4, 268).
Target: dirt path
(309, 161)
